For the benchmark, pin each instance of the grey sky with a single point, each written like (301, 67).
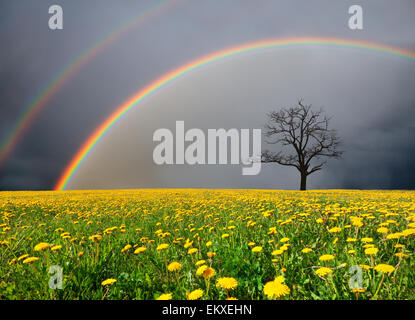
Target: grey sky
(369, 95)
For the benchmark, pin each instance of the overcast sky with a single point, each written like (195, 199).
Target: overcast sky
(369, 95)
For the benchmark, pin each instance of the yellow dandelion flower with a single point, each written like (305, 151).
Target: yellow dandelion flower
(200, 262)
(306, 250)
(127, 247)
(108, 282)
(165, 296)
(93, 238)
(192, 251)
(357, 222)
(162, 246)
(227, 283)
(31, 259)
(276, 289)
(395, 235)
(365, 267)
(200, 270)
(188, 244)
(174, 266)
(22, 257)
(56, 248)
(195, 294)
(326, 257)
(323, 271)
(140, 250)
(211, 254)
(41, 246)
(371, 251)
(277, 252)
(408, 232)
(285, 247)
(257, 249)
(384, 268)
(208, 273)
(382, 230)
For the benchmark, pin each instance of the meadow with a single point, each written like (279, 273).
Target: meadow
(207, 244)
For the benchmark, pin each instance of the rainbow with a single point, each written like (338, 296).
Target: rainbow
(175, 74)
(40, 101)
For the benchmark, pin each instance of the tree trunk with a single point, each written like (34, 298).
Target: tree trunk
(303, 185)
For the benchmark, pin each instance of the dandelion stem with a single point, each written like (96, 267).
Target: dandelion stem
(177, 279)
(97, 253)
(381, 281)
(108, 288)
(207, 281)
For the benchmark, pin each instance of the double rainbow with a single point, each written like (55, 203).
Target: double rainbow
(142, 94)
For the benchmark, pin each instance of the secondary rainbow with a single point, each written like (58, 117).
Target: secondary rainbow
(175, 74)
(40, 101)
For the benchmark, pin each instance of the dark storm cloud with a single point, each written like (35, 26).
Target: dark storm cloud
(33, 56)
(380, 155)
(388, 151)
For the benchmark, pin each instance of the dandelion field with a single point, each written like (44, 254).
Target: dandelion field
(208, 244)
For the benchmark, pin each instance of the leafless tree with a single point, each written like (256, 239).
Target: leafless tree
(308, 135)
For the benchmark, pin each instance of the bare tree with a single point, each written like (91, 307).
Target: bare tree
(308, 134)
